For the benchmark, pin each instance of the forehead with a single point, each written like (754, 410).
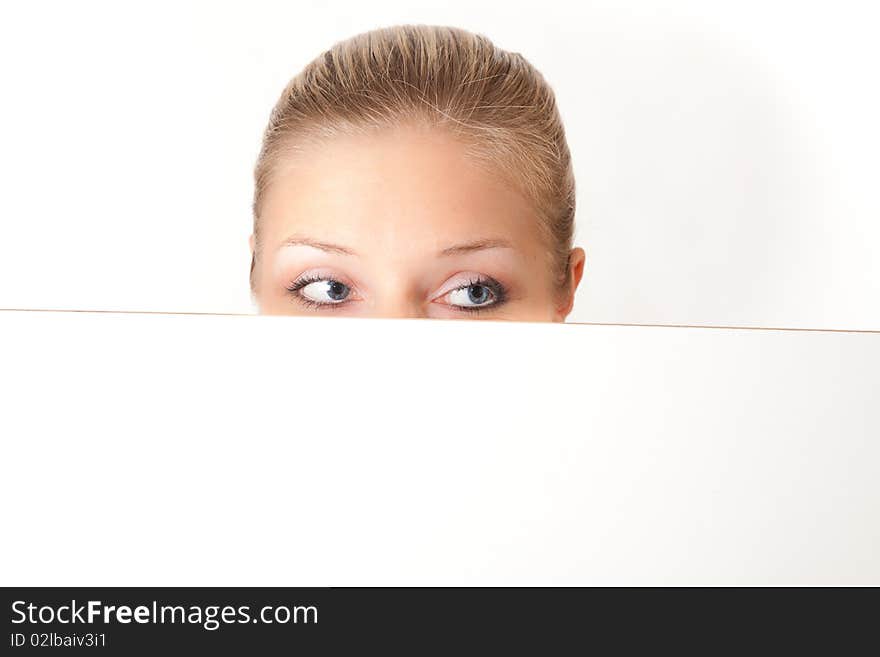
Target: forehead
(412, 186)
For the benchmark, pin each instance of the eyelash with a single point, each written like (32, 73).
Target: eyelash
(301, 282)
(497, 289)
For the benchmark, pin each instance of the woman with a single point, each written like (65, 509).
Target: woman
(416, 171)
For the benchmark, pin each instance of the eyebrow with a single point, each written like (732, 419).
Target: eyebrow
(476, 245)
(456, 249)
(297, 240)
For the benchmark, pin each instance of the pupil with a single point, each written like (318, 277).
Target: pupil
(478, 293)
(337, 291)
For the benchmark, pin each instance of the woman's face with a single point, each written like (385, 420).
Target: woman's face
(402, 224)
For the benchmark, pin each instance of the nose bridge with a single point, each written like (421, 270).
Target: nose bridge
(399, 311)
(397, 297)
(397, 254)
(398, 304)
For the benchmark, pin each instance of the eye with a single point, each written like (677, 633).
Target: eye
(474, 293)
(328, 291)
(321, 291)
(472, 296)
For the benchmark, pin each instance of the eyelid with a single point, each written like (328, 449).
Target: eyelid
(322, 274)
(317, 274)
(463, 279)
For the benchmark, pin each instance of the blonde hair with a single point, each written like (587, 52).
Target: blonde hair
(448, 77)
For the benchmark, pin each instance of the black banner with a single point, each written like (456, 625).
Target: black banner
(313, 621)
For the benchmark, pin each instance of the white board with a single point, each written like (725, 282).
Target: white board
(184, 450)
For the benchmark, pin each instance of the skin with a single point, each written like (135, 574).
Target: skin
(402, 223)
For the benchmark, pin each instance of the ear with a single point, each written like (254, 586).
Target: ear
(576, 260)
(252, 243)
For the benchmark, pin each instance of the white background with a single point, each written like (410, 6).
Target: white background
(726, 152)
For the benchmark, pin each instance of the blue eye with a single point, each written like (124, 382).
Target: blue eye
(322, 291)
(474, 292)
(475, 295)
